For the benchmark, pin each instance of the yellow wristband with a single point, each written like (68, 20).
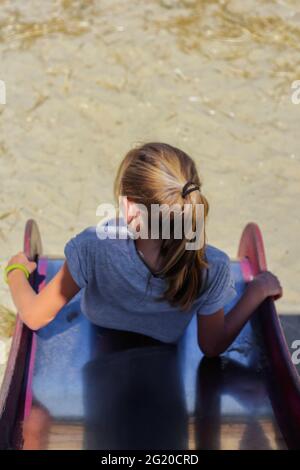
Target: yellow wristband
(11, 267)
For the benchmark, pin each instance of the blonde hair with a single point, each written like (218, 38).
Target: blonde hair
(155, 173)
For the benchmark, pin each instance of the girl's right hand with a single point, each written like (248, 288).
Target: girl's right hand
(21, 258)
(269, 285)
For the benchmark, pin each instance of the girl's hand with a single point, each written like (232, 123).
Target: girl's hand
(21, 258)
(268, 284)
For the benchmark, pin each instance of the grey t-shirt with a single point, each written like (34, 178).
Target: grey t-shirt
(120, 292)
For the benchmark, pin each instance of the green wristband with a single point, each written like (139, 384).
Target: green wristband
(11, 267)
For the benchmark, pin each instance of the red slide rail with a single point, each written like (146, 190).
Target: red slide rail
(13, 381)
(284, 378)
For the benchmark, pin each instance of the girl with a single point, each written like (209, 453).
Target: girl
(148, 286)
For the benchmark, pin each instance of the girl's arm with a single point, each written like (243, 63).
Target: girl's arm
(36, 310)
(216, 332)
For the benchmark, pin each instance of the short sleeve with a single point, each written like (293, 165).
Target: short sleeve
(220, 289)
(78, 253)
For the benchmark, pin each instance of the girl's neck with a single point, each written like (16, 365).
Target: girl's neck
(150, 252)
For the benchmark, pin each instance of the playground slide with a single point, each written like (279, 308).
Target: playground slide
(73, 385)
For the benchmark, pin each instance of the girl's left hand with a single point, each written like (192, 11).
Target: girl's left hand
(21, 258)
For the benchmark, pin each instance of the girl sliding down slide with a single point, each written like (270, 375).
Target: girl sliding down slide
(145, 284)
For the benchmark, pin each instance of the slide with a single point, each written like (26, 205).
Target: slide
(73, 385)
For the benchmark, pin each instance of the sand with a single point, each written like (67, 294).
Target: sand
(86, 80)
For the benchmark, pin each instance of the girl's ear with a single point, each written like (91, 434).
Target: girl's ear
(129, 209)
(123, 204)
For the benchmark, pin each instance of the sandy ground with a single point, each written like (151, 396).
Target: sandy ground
(85, 80)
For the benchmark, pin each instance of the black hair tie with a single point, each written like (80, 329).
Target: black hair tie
(187, 190)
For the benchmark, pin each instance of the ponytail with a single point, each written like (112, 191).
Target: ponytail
(183, 269)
